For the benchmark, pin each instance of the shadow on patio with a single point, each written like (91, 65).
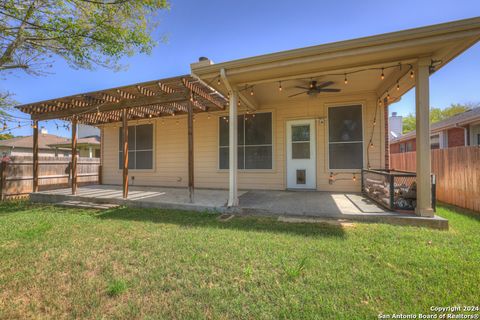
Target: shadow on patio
(209, 220)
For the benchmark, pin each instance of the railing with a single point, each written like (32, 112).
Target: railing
(16, 174)
(395, 190)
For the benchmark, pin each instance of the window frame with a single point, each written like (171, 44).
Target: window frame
(327, 135)
(153, 169)
(273, 168)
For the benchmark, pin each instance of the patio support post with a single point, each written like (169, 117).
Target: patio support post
(387, 133)
(35, 156)
(233, 150)
(125, 152)
(74, 155)
(422, 97)
(190, 152)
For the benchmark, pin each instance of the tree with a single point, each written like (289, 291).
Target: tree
(437, 114)
(5, 136)
(85, 33)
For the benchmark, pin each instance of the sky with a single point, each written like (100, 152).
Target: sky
(224, 30)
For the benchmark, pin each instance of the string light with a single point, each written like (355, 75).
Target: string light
(19, 126)
(354, 178)
(383, 75)
(371, 145)
(411, 74)
(5, 125)
(398, 86)
(251, 91)
(280, 86)
(98, 111)
(346, 80)
(218, 81)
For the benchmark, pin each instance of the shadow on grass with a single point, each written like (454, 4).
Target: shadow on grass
(464, 212)
(209, 220)
(15, 206)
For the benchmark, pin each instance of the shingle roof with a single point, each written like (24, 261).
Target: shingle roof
(44, 141)
(460, 119)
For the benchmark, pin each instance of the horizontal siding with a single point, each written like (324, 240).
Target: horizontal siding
(171, 149)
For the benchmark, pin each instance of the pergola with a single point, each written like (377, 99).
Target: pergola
(147, 100)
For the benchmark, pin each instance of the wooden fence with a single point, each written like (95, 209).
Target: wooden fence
(16, 174)
(457, 171)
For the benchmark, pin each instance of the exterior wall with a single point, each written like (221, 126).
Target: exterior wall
(170, 148)
(456, 137)
(395, 147)
(28, 152)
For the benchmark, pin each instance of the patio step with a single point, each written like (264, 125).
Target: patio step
(86, 205)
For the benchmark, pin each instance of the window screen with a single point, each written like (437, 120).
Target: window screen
(254, 141)
(140, 147)
(345, 137)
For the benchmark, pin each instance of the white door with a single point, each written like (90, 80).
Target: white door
(301, 163)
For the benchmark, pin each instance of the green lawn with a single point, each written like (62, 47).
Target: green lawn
(128, 263)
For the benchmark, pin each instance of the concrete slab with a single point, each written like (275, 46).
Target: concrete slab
(296, 204)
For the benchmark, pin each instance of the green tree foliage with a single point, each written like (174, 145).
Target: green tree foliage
(437, 114)
(85, 33)
(5, 136)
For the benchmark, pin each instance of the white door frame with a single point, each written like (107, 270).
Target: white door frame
(309, 165)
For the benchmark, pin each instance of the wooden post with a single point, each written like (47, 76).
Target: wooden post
(387, 134)
(74, 155)
(190, 152)
(423, 154)
(125, 152)
(233, 150)
(3, 177)
(35, 156)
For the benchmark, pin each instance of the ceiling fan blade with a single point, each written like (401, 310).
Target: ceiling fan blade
(297, 94)
(329, 90)
(304, 88)
(325, 84)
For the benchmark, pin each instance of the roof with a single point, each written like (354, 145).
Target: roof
(438, 43)
(44, 141)
(85, 141)
(460, 119)
(149, 99)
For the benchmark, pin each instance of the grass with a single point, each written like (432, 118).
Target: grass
(128, 264)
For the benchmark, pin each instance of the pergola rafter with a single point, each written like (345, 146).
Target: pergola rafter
(154, 99)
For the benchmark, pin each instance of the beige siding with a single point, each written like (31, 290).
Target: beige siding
(170, 163)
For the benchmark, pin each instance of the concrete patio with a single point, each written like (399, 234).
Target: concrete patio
(301, 206)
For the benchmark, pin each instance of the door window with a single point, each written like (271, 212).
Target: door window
(301, 142)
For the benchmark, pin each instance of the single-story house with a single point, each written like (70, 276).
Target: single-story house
(460, 130)
(50, 145)
(88, 147)
(304, 119)
(22, 146)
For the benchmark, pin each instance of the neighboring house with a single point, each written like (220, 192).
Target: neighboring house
(460, 130)
(88, 147)
(85, 131)
(22, 146)
(50, 145)
(304, 119)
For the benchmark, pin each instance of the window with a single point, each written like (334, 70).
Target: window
(435, 142)
(140, 147)
(478, 139)
(345, 137)
(254, 141)
(402, 147)
(409, 146)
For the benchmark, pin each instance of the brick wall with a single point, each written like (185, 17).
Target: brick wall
(456, 137)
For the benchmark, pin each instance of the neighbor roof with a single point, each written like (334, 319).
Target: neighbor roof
(86, 141)
(44, 141)
(460, 119)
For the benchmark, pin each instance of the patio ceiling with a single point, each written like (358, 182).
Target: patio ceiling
(360, 59)
(150, 99)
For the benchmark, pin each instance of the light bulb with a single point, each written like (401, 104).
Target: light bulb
(346, 80)
(251, 92)
(280, 86)
(398, 86)
(411, 74)
(383, 75)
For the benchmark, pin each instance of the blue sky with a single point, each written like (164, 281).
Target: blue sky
(225, 30)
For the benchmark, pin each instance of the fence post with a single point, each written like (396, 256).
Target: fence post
(100, 174)
(3, 177)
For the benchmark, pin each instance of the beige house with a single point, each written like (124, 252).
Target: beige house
(304, 119)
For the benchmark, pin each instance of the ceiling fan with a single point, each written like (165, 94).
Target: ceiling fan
(315, 88)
